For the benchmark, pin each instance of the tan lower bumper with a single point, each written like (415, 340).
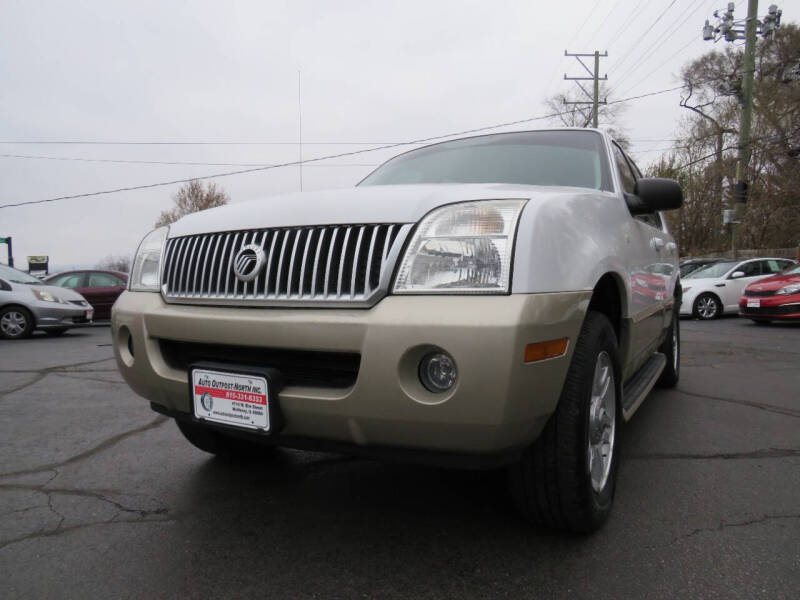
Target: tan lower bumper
(499, 402)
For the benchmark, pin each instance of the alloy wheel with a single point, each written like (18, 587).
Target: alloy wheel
(602, 421)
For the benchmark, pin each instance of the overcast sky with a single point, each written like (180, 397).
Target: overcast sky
(372, 71)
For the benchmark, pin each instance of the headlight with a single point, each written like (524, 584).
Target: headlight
(793, 288)
(46, 296)
(146, 263)
(463, 248)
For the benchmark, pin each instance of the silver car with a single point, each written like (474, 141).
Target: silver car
(27, 304)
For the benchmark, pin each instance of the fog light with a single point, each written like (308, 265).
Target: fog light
(437, 372)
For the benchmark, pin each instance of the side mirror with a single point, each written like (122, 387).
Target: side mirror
(737, 274)
(653, 194)
(4, 286)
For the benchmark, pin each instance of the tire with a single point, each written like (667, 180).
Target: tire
(707, 307)
(55, 332)
(671, 348)
(552, 484)
(16, 323)
(224, 446)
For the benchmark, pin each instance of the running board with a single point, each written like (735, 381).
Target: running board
(637, 387)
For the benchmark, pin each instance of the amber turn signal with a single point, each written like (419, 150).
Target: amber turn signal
(545, 350)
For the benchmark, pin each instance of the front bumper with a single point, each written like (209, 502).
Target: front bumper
(499, 403)
(52, 315)
(786, 307)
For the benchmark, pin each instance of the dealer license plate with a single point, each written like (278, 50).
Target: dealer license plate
(753, 303)
(231, 398)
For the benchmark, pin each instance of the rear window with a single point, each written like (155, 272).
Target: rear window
(552, 158)
(713, 271)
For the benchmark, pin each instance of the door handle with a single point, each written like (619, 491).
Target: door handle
(657, 244)
(719, 285)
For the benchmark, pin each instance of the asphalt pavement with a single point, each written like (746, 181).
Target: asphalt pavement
(100, 497)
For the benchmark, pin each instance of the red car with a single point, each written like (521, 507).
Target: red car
(773, 298)
(100, 288)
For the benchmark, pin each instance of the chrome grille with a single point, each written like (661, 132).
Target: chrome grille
(321, 264)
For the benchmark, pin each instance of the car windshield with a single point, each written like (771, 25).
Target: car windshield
(10, 274)
(559, 158)
(791, 270)
(712, 271)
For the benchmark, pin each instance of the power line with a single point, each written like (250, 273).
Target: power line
(657, 44)
(321, 158)
(198, 143)
(629, 52)
(166, 162)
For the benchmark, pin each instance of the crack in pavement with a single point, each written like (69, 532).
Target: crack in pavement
(141, 515)
(724, 525)
(752, 404)
(69, 375)
(42, 373)
(113, 440)
(79, 526)
(755, 454)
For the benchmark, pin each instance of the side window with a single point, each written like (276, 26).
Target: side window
(630, 173)
(103, 280)
(72, 280)
(625, 172)
(751, 269)
(782, 264)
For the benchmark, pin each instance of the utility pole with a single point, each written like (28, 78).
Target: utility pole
(731, 30)
(594, 99)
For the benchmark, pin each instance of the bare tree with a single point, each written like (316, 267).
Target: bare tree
(115, 263)
(580, 115)
(193, 197)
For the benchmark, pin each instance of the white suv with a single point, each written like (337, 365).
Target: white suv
(502, 300)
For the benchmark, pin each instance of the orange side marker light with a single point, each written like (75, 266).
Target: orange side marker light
(545, 350)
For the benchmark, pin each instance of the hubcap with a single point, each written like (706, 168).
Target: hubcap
(707, 307)
(602, 421)
(13, 323)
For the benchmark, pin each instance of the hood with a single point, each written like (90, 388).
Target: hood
(65, 294)
(367, 204)
(773, 283)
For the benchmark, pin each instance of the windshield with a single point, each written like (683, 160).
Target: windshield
(15, 276)
(561, 158)
(792, 270)
(712, 271)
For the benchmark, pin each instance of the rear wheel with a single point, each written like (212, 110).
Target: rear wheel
(225, 446)
(566, 479)
(707, 306)
(16, 323)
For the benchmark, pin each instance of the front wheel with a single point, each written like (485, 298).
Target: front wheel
(15, 323)
(566, 479)
(707, 307)
(671, 348)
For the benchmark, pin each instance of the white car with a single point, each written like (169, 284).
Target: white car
(500, 300)
(716, 289)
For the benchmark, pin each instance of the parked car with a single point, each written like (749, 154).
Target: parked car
(100, 288)
(469, 303)
(693, 264)
(716, 289)
(27, 304)
(775, 298)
